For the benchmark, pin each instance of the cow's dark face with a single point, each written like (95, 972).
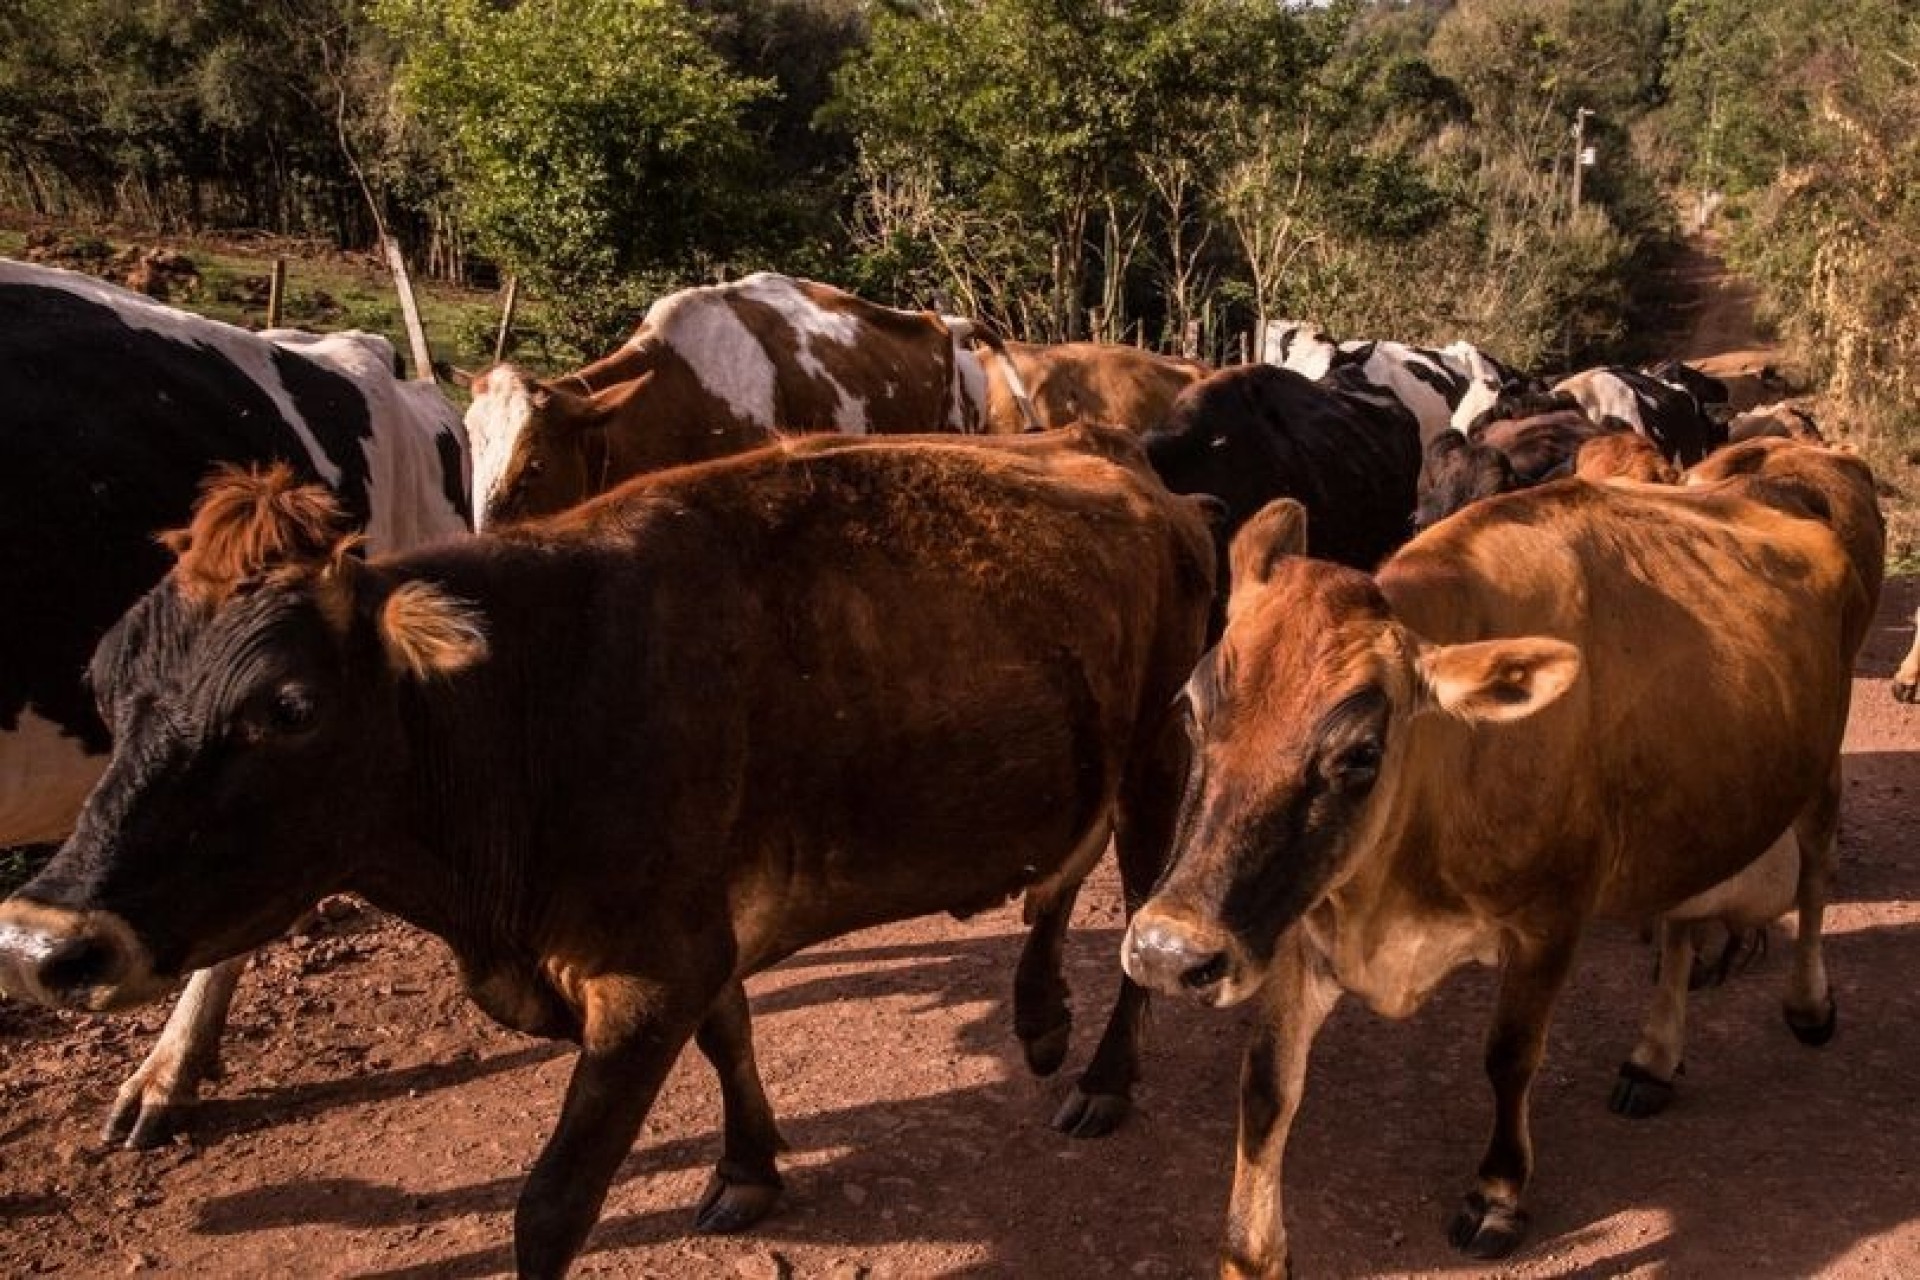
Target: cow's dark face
(1455, 473)
(1301, 722)
(256, 737)
(203, 838)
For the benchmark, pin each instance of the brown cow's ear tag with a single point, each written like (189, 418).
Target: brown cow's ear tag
(1495, 681)
(428, 633)
(1276, 531)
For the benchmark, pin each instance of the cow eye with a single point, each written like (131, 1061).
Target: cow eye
(291, 710)
(1357, 765)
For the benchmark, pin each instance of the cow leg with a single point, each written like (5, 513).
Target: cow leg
(1143, 829)
(1491, 1222)
(1299, 994)
(632, 1031)
(1041, 1017)
(1645, 1085)
(1811, 1011)
(745, 1184)
(1906, 681)
(154, 1102)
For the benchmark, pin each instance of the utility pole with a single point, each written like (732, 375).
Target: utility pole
(1581, 156)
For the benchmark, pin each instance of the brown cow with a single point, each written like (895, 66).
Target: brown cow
(713, 371)
(1782, 418)
(1624, 455)
(624, 758)
(1470, 755)
(1073, 382)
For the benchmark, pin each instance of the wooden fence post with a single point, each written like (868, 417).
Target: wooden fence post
(506, 319)
(410, 309)
(276, 293)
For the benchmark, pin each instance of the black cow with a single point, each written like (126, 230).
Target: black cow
(1247, 435)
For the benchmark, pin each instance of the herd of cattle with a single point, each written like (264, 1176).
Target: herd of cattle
(804, 675)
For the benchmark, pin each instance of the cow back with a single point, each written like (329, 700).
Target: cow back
(1739, 701)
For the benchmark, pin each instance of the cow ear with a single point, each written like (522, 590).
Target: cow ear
(1276, 531)
(427, 632)
(1495, 681)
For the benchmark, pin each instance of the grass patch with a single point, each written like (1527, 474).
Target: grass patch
(328, 290)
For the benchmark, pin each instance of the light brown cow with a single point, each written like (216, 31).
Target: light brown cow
(1073, 382)
(1624, 455)
(1570, 702)
(714, 371)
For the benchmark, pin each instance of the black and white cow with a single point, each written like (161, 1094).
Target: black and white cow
(1446, 387)
(113, 410)
(1670, 414)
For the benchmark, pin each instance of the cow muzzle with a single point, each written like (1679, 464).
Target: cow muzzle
(1181, 953)
(67, 959)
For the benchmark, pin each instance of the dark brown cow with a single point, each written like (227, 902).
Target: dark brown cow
(1472, 754)
(1499, 456)
(622, 759)
(1073, 382)
(713, 371)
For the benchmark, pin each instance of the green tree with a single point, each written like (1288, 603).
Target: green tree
(1013, 149)
(598, 143)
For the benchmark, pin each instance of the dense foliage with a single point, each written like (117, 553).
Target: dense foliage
(1807, 117)
(1165, 171)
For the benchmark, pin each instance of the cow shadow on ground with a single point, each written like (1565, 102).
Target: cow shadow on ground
(1774, 1158)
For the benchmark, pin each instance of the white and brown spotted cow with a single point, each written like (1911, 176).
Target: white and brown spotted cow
(113, 410)
(716, 370)
(1471, 754)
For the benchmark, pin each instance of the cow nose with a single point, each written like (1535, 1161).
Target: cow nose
(72, 959)
(78, 965)
(1166, 956)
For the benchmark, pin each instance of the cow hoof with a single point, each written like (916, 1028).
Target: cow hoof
(1091, 1115)
(1638, 1093)
(1482, 1229)
(1815, 1034)
(138, 1126)
(1046, 1051)
(729, 1204)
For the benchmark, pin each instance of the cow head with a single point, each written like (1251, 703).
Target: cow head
(1301, 721)
(1456, 472)
(254, 701)
(534, 445)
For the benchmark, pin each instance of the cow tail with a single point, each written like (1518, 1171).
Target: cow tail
(965, 330)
